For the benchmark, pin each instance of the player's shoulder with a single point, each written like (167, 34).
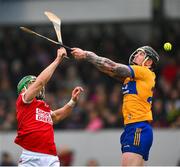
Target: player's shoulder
(141, 72)
(21, 100)
(140, 68)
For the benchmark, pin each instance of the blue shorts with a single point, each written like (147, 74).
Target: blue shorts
(137, 138)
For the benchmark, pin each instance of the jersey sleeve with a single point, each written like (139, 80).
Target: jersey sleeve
(138, 72)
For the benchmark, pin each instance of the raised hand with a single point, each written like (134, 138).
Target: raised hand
(78, 53)
(61, 53)
(76, 93)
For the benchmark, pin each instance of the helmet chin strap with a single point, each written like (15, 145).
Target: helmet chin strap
(41, 95)
(25, 88)
(143, 63)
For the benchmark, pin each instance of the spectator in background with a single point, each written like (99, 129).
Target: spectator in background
(92, 162)
(95, 122)
(66, 156)
(6, 160)
(2, 114)
(72, 78)
(170, 70)
(176, 123)
(159, 114)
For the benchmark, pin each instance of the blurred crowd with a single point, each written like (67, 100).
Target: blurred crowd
(100, 106)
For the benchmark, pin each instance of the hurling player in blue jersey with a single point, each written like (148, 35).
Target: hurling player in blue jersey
(138, 82)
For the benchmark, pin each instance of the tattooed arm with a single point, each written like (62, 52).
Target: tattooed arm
(115, 70)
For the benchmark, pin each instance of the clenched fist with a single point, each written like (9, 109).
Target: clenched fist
(78, 53)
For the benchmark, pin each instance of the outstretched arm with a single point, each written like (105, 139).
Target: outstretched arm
(115, 70)
(43, 77)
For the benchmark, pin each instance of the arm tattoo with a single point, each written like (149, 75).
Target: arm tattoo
(115, 70)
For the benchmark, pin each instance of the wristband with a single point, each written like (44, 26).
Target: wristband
(71, 103)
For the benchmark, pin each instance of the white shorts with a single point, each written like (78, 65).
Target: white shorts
(29, 158)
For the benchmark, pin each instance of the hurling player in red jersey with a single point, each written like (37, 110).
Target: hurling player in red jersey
(35, 119)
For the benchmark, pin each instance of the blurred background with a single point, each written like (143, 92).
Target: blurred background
(112, 29)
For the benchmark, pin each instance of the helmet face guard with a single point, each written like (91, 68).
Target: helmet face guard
(149, 53)
(25, 81)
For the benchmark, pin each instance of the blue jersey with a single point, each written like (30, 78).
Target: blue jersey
(137, 91)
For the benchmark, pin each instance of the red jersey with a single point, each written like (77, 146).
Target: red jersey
(35, 127)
